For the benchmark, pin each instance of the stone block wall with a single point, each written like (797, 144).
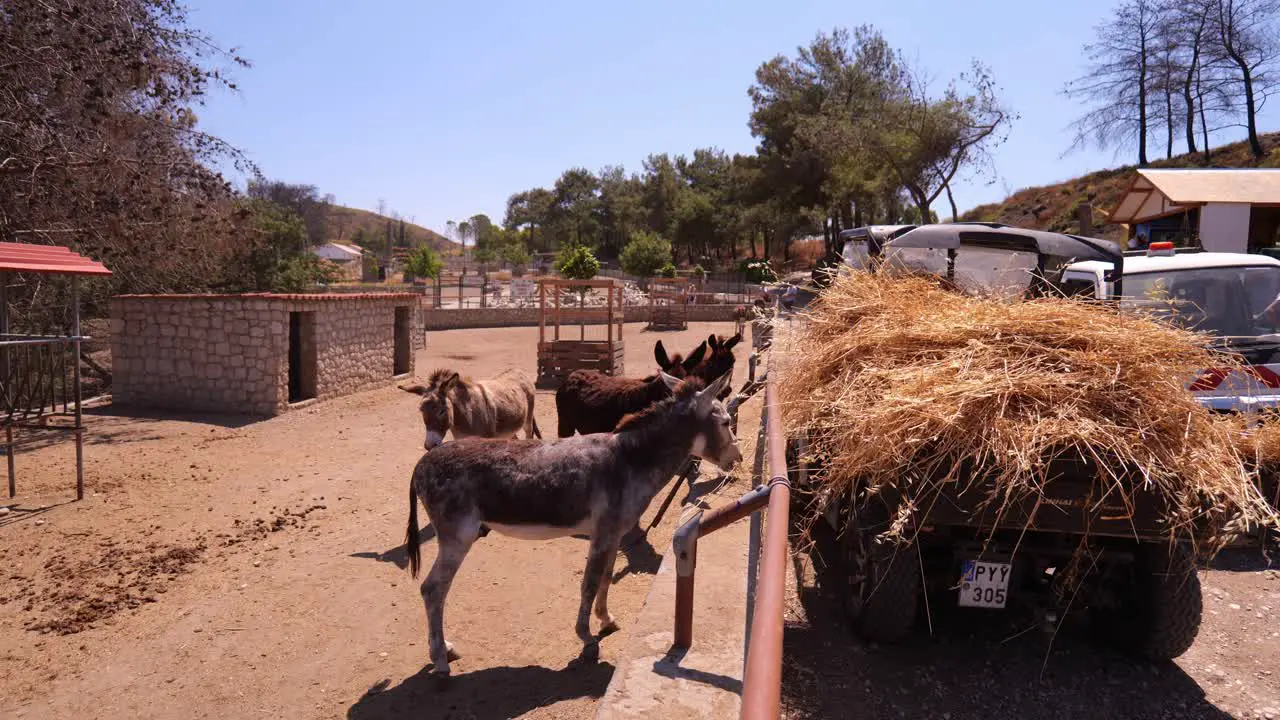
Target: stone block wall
(456, 319)
(230, 353)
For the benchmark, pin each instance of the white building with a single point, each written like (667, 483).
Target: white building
(339, 252)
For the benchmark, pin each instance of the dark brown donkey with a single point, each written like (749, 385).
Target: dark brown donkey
(597, 485)
(496, 407)
(592, 402)
(719, 361)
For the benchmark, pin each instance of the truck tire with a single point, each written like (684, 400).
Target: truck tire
(801, 494)
(1162, 613)
(883, 580)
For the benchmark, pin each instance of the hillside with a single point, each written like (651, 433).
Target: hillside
(343, 223)
(1054, 207)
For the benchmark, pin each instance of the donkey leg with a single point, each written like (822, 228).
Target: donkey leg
(608, 624)
(453, 548)
(597, 558)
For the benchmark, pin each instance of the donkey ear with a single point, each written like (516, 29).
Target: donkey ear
(737, 338)
(660, 354)
(672, 382)
(415, 389)
(713, 341)
(712, 391)
(695, 357)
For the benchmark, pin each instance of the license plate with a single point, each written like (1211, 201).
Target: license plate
(984, 584)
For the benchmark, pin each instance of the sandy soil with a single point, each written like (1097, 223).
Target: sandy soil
(219, 568)
(981, 664)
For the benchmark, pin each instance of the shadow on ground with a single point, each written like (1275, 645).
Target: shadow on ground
(140, 413)
(1247, 559)
(491, 693)
(398, 555)
(976, 664)
(16, 512)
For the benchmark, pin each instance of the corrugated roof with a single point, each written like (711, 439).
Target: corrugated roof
(24, 257)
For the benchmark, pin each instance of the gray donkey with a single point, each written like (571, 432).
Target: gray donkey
(496, 407)
(597, 485)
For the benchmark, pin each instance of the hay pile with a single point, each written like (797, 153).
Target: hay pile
(1259, 445)
(898, 383)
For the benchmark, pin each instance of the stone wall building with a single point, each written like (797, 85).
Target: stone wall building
(258, 354)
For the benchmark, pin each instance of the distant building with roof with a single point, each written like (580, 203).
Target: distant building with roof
(347, 257)
(1222, 210)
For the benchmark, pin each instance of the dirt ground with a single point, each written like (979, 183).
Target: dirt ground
(981, 664)
(225, 568)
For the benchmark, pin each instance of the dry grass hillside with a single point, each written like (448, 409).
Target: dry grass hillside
(344, 222)
(1054, 207)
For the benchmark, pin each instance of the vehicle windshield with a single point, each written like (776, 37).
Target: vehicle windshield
(1230, 302)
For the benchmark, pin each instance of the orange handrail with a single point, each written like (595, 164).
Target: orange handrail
(761, 688)
(762, 684)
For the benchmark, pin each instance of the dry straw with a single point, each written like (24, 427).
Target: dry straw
(898, 382)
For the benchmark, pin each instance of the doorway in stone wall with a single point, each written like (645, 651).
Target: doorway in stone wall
(403, 348)
(302, 356)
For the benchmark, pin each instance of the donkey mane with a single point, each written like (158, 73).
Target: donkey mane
(642, 419)
(439, 375)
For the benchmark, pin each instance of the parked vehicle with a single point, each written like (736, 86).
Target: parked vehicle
(862, 244)
(1142, 588)
(1234, 296)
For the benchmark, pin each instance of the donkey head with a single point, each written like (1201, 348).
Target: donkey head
(713, 438)
(719, 363)
(436, 408)
(676, 365)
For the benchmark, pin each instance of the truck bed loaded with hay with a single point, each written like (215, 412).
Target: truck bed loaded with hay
(975, 437)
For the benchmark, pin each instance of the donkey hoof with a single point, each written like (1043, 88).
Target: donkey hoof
(609, 627)
(453, 654)
(440, 679)
(590, 653)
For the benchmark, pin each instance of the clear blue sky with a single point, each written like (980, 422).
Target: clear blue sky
(444, 109)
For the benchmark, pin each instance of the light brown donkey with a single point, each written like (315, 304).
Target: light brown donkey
(498, 407)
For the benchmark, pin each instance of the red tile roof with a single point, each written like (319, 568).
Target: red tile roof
(24, 257)
(317, 297)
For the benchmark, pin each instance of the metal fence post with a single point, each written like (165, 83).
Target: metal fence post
(685, 545)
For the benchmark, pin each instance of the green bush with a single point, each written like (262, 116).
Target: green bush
(515, 254)
(667, 271)
(645, 254)
(302, 273)
(424, 263)
(577, 262)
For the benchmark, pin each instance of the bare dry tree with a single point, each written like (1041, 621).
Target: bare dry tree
(1118, 80)
(1246, 36)
(99, 144)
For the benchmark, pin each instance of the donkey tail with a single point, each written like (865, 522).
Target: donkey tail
(411, 542)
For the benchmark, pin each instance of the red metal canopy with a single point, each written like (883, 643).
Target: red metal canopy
(23, 257)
